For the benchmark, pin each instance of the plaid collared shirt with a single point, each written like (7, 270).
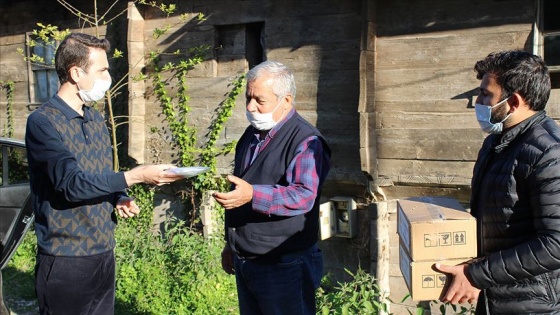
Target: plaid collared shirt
(305, 173)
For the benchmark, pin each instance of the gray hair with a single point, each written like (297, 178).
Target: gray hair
(284, 83)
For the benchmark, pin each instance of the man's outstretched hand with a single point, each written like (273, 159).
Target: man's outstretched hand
(240, 195)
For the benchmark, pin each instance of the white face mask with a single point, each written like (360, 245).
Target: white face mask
(484, 116)
(262, 121)
(97, 92)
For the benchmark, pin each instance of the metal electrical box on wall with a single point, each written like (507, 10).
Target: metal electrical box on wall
(344, 216)
(326, 220)
(338, 217)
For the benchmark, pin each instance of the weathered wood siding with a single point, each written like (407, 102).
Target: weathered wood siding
(418, 109)
(11, 70)
(422, 85)
(389, 83)
(318, 40)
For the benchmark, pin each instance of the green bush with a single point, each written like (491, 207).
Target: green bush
(179, 272)
(359, 296)
(175, 273)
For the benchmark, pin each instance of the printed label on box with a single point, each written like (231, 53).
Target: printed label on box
(445, 239)
(460, 238)
(435, 228)
(433, 281)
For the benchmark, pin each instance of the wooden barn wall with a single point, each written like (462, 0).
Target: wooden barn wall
(12, 63)
(423, 137)
(15, 20)
(319, 41)
(421, 101)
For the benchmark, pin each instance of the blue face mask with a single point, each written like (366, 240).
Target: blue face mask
(484, 117)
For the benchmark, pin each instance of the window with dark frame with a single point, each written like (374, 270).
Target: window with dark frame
(254, 43)
(551, 39)
(43, 80)
(13, 165)
(239, 43)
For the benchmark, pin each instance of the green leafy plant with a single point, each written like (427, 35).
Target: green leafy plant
(17, 171)
(46, 36)
(209, 151)
(175, 272)
(176, 109)
(9, 87)
(361, 295)
(184, 136)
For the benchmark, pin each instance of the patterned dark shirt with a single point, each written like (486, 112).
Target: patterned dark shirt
(73, 186)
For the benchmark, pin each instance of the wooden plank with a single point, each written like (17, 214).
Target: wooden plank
(425, 144)
(332, 90)
(12, 39)
(421, 120)
(179, 39)
(416, 17)
(200, 88)
(447, 49)
(421, 172)
(461, 104)
(316, 59)
(285, 31)
(412, 85)
(462, 194)
(553, 105)
(14, 67)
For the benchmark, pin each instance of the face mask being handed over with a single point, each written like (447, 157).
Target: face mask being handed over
(262, 121)
(484, 117)
(96, 92)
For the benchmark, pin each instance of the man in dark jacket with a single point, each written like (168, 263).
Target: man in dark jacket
(272, 213)
(515, 193)
(75, 193)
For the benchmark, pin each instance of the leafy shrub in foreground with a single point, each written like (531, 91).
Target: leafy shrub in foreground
(360, 296)
(175, 273)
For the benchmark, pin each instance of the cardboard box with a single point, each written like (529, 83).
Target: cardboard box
(423, 282)
(435, 228)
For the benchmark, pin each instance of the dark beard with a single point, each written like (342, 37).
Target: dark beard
(499, 114)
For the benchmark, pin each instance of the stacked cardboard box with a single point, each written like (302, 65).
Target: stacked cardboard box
(431, 230)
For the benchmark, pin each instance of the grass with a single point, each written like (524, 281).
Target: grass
(19, 280)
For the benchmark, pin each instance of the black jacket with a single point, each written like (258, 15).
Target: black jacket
(516, 200)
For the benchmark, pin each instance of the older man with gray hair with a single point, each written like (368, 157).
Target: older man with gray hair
(272, 210)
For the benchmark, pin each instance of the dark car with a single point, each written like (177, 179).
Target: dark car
(16, 213)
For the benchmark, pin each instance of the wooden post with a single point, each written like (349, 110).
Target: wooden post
(136, 101)
(380, 249)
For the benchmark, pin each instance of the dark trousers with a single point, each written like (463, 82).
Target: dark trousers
(286, 286)
(76, 285)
